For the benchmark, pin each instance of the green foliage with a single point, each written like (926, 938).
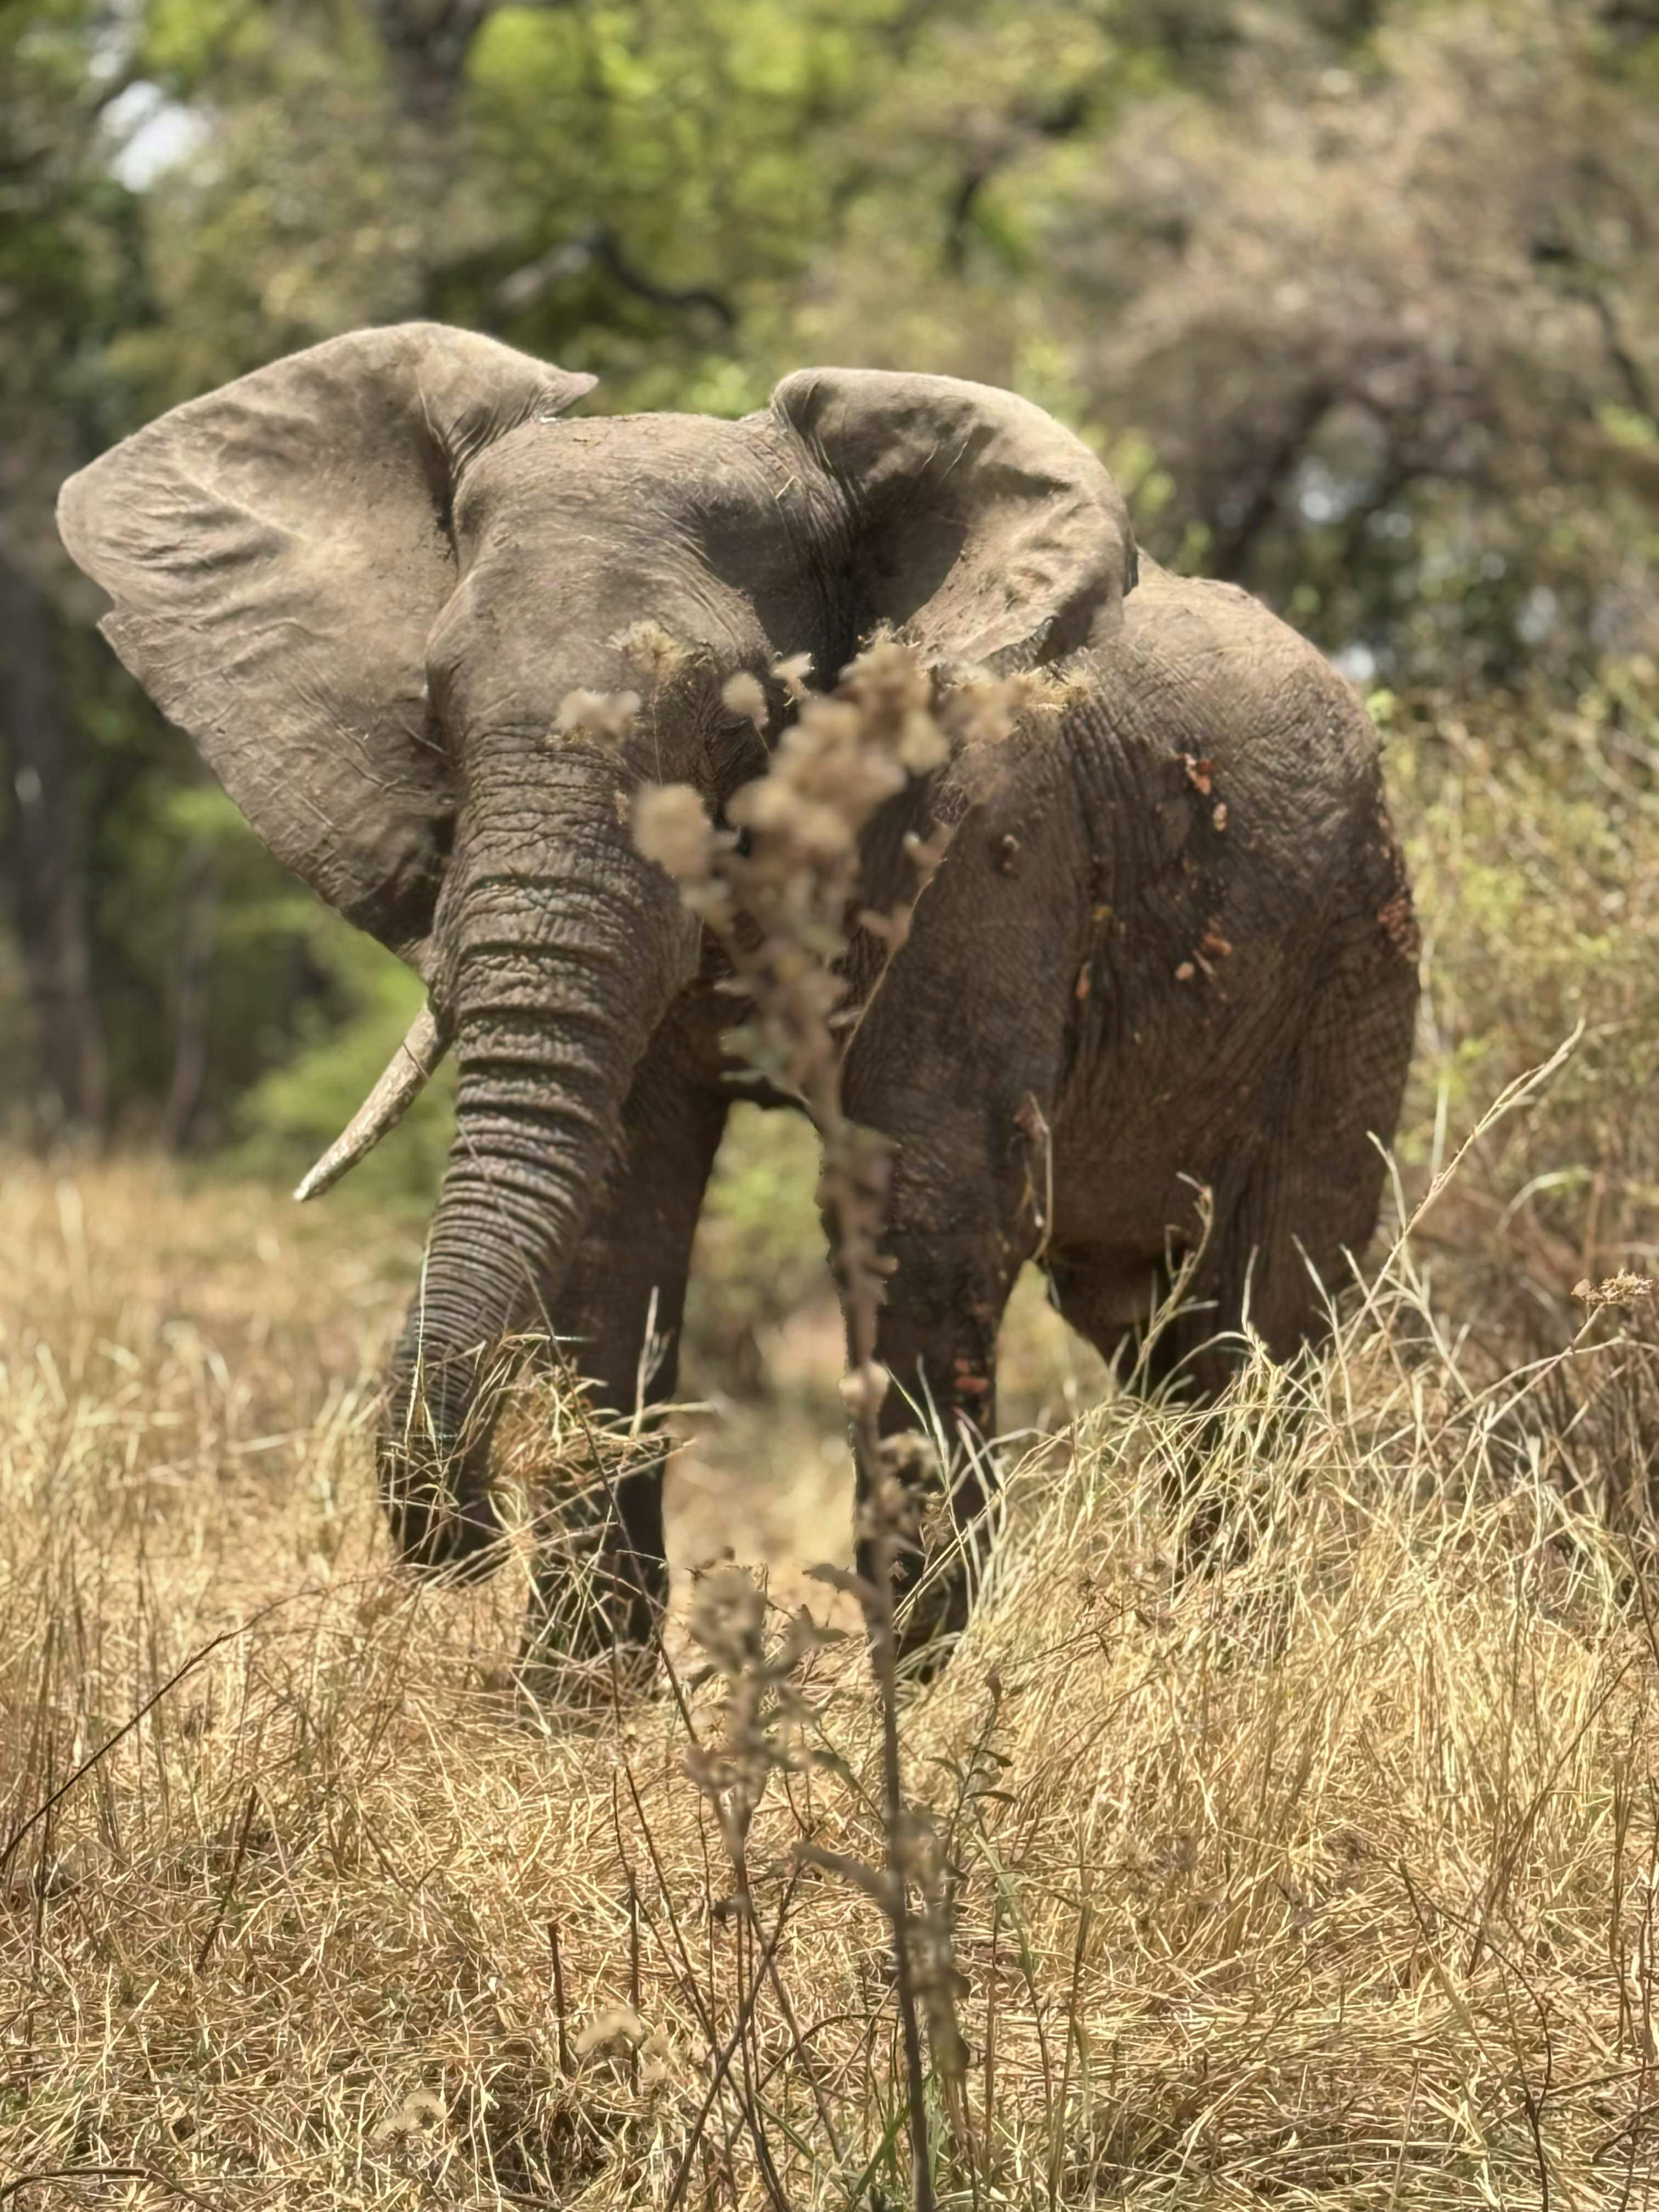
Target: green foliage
(1533, 833)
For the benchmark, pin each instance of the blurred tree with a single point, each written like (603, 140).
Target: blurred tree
(1363, 301)
(67, 268)
(45, 858)
(1389, 321)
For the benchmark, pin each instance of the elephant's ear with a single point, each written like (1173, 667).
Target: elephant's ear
(277, 553)
(979, 524)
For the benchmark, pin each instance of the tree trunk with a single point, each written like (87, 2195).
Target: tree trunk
(46, 864)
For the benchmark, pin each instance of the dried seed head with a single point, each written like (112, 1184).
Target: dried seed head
(888, 679)
(422, 2112)
(864, 1389)
(922, 745)
(653, 650)
(1624, 1289)
(602, 717)
(793, 672)
(672, 828)
(615, 2024)
(728, 1619)
(772, 808)
(925, 854)
(981, 709)
(746, 695)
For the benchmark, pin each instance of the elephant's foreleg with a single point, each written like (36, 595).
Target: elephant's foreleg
(964, 1212)
(937, 1336)
(957, 1061)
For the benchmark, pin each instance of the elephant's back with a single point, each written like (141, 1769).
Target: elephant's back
(1207, 659)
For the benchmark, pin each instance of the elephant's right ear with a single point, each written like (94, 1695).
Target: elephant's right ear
(277, 552)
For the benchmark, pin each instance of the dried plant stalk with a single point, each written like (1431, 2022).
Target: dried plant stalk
(778, 892)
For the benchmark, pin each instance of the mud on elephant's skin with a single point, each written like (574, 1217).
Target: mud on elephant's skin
(1171, 941)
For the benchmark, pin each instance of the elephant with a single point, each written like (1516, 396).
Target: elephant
(1169, 951)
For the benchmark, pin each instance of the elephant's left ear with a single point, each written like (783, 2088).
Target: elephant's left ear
(980, 524)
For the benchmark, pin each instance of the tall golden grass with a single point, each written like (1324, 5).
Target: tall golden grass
(1328, 1878)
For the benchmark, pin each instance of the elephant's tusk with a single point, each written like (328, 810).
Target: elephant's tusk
(404, 1078)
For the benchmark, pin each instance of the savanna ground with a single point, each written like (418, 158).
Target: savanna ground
(1329, 1878)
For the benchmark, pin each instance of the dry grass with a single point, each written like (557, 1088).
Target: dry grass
(1330, 1879)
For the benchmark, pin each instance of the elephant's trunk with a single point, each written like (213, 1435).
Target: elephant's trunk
(564, 949)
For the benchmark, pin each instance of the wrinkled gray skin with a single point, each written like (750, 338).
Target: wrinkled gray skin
(365, 578)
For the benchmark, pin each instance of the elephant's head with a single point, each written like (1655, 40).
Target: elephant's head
(367, 581)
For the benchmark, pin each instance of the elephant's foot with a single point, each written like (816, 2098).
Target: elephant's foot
(939, 1541)
(440, 1513)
